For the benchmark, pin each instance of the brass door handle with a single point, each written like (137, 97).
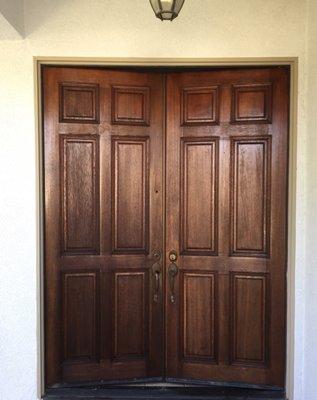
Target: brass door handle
(172, 272)
(156, 270)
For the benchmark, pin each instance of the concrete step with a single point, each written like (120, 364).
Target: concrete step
(163, 392)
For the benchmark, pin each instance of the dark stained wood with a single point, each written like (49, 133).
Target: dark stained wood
(200, 105)
(81, 330)
(103, 143)
(198, 316)
(79, 102)
(234, 328)
(251, 103)
(249, 319)
(221, 198)
(199, 213)
(250, 196)
(79, 169)
(130, 194)
(130, 105)
(129, 314)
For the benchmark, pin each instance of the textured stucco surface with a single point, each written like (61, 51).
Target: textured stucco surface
(310, 338)
(112, 28)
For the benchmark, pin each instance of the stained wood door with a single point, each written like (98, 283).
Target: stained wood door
(165, 224)
(103, 143)
(226, 208)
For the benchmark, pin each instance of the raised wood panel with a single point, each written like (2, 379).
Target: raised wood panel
(79, 103)
(130, 105)
(199, 196)
(130, 194)
(250, 196)
(249, 324)
(251, 103)
(200, 105)
(199, 316)
(79, 170)
(80, 299)
(130, 315)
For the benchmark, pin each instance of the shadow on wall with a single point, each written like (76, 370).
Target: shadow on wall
(7, 31)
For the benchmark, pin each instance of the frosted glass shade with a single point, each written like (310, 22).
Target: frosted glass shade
(167, 9)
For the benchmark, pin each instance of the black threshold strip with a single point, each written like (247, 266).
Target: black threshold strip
(163, 392)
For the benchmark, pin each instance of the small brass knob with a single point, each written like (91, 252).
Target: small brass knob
(172, 256)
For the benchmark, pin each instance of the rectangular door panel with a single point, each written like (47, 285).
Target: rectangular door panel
(79, 102)
(250, 196)
(80, 208)
(199, 180)
(131, 105)
(81, 310)
(249, 325)
(199, 311)
(130, 194)
(130, 315)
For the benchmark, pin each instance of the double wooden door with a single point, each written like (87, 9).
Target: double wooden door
(165, 224)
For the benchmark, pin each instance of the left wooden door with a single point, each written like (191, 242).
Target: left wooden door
(103, 143)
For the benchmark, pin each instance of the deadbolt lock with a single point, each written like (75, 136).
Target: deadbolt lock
(172, 256)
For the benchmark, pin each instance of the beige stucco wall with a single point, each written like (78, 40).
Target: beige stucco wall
(113, 28)
(310, 291)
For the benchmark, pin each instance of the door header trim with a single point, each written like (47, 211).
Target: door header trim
(190, 62)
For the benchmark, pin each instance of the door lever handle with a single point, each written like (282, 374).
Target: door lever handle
(172, 272)
(156, 270)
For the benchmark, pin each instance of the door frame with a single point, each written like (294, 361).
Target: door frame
(292, 62)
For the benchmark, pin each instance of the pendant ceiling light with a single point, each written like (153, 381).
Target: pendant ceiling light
(167, 9)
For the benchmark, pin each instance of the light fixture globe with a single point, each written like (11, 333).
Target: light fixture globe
(167, 9)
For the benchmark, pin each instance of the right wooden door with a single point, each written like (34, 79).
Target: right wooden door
(226, 224)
